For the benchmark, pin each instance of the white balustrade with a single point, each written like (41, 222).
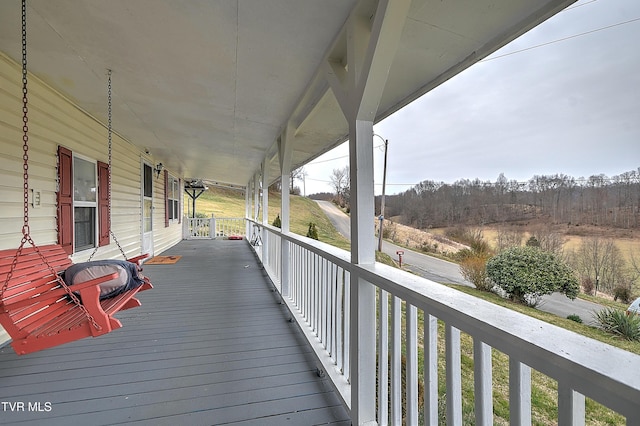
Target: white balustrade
(320, 280)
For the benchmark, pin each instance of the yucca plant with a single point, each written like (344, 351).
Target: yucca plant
(618, 322)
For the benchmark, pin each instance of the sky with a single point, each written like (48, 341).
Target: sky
(563, 98)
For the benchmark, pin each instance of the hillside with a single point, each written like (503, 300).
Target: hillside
(223, 202)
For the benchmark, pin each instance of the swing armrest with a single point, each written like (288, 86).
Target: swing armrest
(139, 258)
(53, 295)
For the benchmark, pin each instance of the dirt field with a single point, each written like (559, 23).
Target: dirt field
(416, 239)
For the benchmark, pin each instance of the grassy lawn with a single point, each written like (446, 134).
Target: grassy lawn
(226, 203)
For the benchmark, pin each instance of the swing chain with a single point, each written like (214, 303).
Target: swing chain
(26, 235)
(110, 162)
(109, 138)
(25, 151)
(25, 127)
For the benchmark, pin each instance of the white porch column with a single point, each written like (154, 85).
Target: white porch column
(265, 212)
(363, 293)
(247, 209)
(284, 154)
(256, 197)
(358, 82)
(256, 204)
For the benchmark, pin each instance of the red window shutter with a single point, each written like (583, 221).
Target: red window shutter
(104, 217)
(166, 198)
(65, 199)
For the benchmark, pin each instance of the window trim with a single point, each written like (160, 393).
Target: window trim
(89, 204)
(66, 202)
(172, 196)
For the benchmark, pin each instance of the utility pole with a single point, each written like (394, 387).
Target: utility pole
(384, 183)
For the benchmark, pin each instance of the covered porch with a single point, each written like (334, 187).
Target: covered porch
(240, 93)
(210, 345)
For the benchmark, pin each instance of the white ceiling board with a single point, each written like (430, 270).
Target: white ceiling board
(207, 86)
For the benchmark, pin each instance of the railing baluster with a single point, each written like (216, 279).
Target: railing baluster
(383, 357)
(454, 375)
(314, 295)
(330, 316)
(430, 369)
(483, 388)
(412, 364)
(325, 303)
(571, 408)
(347, 327)
(396, 361)
(519, 393)
(339, 317)
(318, 280)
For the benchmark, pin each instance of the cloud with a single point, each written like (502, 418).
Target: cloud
(569, 106)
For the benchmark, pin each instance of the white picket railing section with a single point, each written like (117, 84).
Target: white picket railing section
(197, 228)
(229, 226)
(319, 300)
(222, 227)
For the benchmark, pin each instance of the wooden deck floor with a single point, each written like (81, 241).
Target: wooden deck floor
(210, 345)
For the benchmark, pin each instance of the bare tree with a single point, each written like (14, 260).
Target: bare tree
(340, 183)
(549, 240)
(508, 237)
(600, 261)
(300, 173)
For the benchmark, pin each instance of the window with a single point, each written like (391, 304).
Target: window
(173, 196)
(85, 203)
(147, 199)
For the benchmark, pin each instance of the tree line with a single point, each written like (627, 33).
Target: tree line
(597, 200)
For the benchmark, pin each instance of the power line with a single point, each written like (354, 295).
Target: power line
(561, 39)
(335, 158)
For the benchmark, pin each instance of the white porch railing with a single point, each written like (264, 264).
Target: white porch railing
(213, 227)
(319, 300)
(229, 226)
(197, 227)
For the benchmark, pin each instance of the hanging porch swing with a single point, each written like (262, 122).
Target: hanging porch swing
(38, 309)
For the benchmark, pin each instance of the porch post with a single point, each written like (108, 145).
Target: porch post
(363, 293)
(256, 202)
(256, 197)
(247, 210)
(358, 82)
(265, 213)
(284, 154)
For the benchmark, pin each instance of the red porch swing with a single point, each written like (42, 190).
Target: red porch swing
(37, 308)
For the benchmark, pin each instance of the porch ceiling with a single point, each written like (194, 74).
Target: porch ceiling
(207, 86)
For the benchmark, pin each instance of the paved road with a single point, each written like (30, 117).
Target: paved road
(445, 272)
(426, 266)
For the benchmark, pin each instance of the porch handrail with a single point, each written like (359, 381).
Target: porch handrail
(581, 366)
(213, 227)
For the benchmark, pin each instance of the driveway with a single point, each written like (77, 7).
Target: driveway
(445, 272)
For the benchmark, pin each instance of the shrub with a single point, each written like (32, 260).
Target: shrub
(575, 317)
(588, 286)
(623, 293)
(527, 273)
(474, 269)
(471, 237)
(313, 231)
(617, 322)
(533, 242)
(463, 254)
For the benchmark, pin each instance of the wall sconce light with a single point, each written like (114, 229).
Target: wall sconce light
(158, 169)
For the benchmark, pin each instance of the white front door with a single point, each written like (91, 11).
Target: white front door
(147, 208)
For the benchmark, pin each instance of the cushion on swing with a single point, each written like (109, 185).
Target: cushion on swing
(128, 276)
